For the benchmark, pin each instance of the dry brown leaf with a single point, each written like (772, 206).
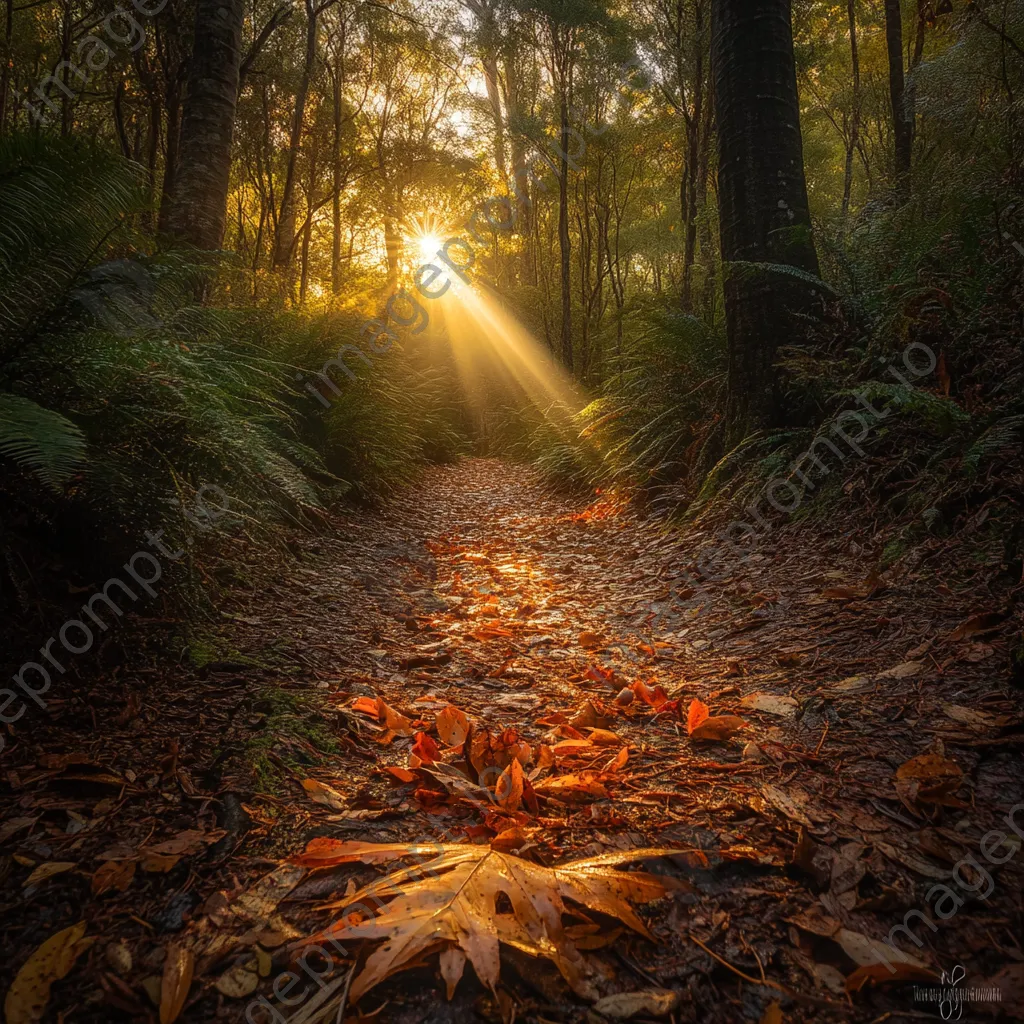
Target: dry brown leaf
(604, 738)
(48, 870)
(321, 793)
(575, 788)
(114, 874)
(186, 842)
(929, 768)
(772, 1014)
(784, 707)
(30, 991)
(879, 973)
(718, 729)
(903, 671)
(783, 801)
(452, 726)
(156, 863)
(509, 790)
(868, 952)
(176, 981)
(237, 983)
(454, 902)
(698, 712)
(982, 622)
(652, 1002)
(619, 761)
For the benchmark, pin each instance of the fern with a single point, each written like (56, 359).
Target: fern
(41, 440)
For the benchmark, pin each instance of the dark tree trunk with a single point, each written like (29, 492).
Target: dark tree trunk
(564, 246)
(173, 104)
(902, 119)
(8, 63)
(851, 141)
(197, 209)
(284, 247)
(764, 216)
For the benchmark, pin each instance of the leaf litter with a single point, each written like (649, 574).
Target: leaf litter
(793, 750)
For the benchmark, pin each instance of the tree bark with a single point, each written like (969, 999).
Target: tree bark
(197, 210)
(764, 215)
(8, 64)
(902, 119)
(564, 245)
(851, 142)
(284, 245)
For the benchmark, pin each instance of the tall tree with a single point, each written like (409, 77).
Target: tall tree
(764, 216)
(197, 209)
(902, 117)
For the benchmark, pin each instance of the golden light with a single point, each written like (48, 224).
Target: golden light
(428, 245)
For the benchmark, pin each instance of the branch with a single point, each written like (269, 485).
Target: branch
(277, 19)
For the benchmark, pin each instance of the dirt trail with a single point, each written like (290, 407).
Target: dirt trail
(879, 744)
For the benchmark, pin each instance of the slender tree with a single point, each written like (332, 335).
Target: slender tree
(197, 209)
(902, 118)
(764, 215)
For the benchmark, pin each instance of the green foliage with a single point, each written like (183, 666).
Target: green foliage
(124, 396)
(48, 444)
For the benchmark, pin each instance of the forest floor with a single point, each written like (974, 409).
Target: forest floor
(875, 742)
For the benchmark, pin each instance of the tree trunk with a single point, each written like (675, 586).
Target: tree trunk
(564, 247)
(284, 246)
(8, 64)
(197, 209)
(851, 142)
(902, 119)
(764, 215)
(337, 162)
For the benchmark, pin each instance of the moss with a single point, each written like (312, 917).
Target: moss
(290, 716)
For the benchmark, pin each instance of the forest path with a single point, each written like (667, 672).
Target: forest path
(482, 589)
(879, 745)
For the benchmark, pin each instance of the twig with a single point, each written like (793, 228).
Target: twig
(768, 983)
(822, 740)
(344, 994)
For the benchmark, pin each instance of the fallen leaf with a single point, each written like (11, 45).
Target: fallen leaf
(113, 874)
(879, 973)
(572, 788)
(784, 707)
(176, 981)
(904, 671)
(982, 622)
(929, 768)
(155, 863)
(698, 712)
(13, 826)
(48, 870)
(783, 801)
(424, 749)
(454, 903)
(30, 991)
(509, 790)
(772, 1014)
(868, 952)
(653, 1002)
(187, 842)
(452, 726)
(237, 983)
(718, 729)
(321, 793)
(366, 706)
